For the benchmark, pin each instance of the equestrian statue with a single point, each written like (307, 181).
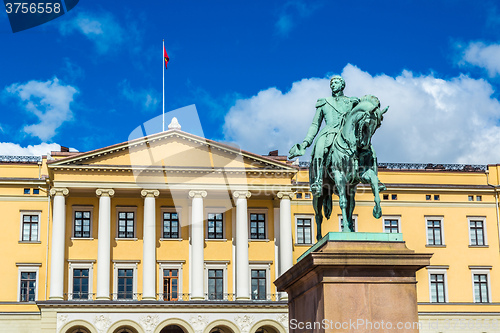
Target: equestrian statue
(342, 155)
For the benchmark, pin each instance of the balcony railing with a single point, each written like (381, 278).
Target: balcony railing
(169, 297)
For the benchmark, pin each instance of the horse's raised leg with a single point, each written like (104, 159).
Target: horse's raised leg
(371, 177)
(340, 184)
(318, 216)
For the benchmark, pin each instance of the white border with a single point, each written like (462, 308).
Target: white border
(179, 216)
(267, 268)
(82, 208)
(264, 211)
(80, 265)
(435, 218)
(27, 269)
(390, 217)
(172, 265)
(313, 229)
(216, 265)
(121, 209)
(124, 265)
(29, 212)
(354, 217)
(485, 233)
(438, 271)
(481, 271)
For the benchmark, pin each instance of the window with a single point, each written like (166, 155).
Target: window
(257, 226)
(171, 228)
(436, 196)
(215, 226)
(477, 234)
(391, 225)
(126, 222)
(258, 284)
(427, 197)
(80, 280)
(386, 196)
(125, 280)
(27, 191)
(437, 288)
(479, 198)
(304, 230)
(170, 284)
(125, 284)
(298, 195)
(36, 191)
(481, 285)
(28, 287)
(215, 284)
(82, 221)
(80, 283)
(30, 227)
(307, 196)
(434, 231)
(394, 197)
(354, 221)
(471, 198)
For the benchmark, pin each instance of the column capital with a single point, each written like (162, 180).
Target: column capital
(59, 191)
(285, 195)
(197, 194)
(242, 194)
(105, 192)
(150, 193)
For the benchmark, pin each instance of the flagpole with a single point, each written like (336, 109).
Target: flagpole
(163, 63)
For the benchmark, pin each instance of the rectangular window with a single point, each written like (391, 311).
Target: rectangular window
(28, 287)
(215, 226)
(471, 198)
(80, 283)
(436, 196)
(434, 232)
(476, 230)
(391, 226)
(125, 284)
(30, 228)
(215, 284)
(481, 293)
(170, 284)
(36, 191)
(27, 191)
(126, 224)
(479, 198)
(437, 288)
(394, 197)
(307, 195)
(258, 284)
(257, 226)
(304, 231)
(299, 196)
(354, 222)
(170, 225)
(385, 196)
(427, 197)
(81, 224)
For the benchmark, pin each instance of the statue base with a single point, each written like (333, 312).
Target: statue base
(354, 282)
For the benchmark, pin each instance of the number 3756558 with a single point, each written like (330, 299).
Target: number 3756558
(25, 8)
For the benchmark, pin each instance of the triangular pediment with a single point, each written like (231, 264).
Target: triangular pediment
(171, 150)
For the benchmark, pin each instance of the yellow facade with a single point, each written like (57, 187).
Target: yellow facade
(175, 163)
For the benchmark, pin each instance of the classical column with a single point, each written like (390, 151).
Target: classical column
(104, 243)
(58, 238)
(149, 245)
(242, 264)
(286, 259)
(197, 244)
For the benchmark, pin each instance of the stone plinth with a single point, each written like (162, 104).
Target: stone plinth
(364, 283)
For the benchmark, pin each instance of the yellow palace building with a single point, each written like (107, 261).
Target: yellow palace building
(177, 233)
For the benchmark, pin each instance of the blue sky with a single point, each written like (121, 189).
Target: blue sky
(254, 70)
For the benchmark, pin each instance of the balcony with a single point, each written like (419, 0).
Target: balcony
(168, 297)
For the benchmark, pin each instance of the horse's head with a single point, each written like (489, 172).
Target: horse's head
(367, 117)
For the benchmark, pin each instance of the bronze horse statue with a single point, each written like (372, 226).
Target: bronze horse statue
(350, 161)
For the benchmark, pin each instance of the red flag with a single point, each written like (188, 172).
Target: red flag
(166, 57)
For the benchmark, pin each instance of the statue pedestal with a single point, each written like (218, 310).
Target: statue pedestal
(354, 282)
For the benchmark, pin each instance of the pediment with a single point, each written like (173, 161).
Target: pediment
(172, 150)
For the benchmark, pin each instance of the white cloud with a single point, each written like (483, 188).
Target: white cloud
(430, 120)
(291, 13)
(49, 101)
(102, 29)
(9, 148)
(484, 56)
(146, 99)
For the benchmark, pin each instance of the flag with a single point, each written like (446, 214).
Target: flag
(165, 55)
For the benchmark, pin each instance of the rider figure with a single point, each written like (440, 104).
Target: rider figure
(333, 110)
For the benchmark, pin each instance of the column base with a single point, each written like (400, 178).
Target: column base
(356, 285)
(198, 298)
(149, 298)
(242, 298)
(102, 298)
(56, 298)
